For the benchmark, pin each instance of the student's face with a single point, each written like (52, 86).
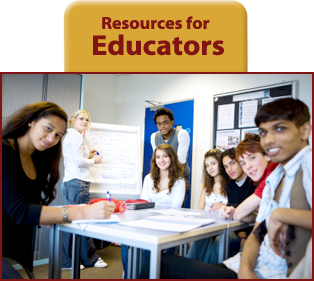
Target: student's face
(253, 164)
(163, 160)
(211, 165)
(164, 125)
(282, 140)
(233, 169)
(46, 132)
(81, 122)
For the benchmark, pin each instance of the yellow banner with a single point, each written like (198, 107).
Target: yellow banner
(101, 36)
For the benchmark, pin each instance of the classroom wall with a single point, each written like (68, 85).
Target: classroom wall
(100, 97)
(133, 89)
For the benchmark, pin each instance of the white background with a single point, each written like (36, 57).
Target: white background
(280, 35)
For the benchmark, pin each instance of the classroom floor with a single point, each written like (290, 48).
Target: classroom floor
(111, 255)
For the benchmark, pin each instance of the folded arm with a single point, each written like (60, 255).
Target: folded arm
(244, 211)
(279, 221)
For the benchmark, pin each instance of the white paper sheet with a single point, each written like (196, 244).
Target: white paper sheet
(184, 220)
(247, 112)
(112, 219)
(225, 116)
(157, 225)
(173, 212)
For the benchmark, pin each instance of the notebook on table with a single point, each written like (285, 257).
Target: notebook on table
(139, 204)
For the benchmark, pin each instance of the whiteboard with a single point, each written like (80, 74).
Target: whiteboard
(119, 172)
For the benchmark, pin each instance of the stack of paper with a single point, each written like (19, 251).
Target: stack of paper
(169, 223)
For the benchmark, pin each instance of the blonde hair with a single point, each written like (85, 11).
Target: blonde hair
(76, 114)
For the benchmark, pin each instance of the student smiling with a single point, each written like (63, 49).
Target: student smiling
(213, 196)
(31, 154)
(255, 163)
(283, 228)
(165, 185)
(213, 193)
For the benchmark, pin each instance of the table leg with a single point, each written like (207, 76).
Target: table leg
(130, 262)
(135, 265)
(222, 243)
(140, 261)
(226, 255)
(181, 250)
(185, 249)
(57, 253)
(51, 251)
(155, 258)
(76, 247)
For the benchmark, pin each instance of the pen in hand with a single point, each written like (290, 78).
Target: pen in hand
(108, 196)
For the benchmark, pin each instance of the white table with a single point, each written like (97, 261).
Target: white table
(137, 238)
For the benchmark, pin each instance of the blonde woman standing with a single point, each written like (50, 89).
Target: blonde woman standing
(76, 184)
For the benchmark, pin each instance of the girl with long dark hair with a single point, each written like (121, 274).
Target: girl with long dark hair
(31, 154)
(213, 193)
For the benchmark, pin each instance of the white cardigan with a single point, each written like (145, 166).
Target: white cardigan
(172, 200)
(75, 154)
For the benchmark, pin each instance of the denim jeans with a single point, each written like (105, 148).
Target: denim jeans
(207, 249)
(125, 259)
(76, 191)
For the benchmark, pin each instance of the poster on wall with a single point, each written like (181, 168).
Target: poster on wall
(253, 131)
(227, 139)
(247, 112)
(225, 116)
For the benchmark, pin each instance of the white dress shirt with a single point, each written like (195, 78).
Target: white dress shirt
(269, 264)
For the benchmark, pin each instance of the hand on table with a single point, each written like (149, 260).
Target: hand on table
(215, 206)
(226, 212)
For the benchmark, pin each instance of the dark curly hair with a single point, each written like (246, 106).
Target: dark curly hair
(47, 161)
(175, 168)
(163, 111)
(207, 180)
(231, 153)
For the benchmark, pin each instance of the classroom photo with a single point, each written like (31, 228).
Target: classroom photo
(156, 176)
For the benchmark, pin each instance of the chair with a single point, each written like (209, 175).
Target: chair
(8, 271)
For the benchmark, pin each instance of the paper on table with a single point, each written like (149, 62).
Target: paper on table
(112, 219)
(169, 223)
(181, 220)
(158, 225)
(173, 212)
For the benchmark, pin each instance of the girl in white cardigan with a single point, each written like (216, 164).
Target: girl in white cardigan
(165, 184)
